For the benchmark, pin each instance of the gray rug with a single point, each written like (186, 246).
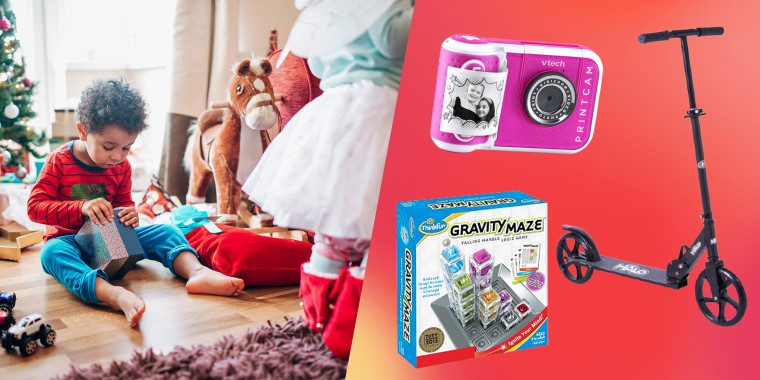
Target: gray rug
(271, 351)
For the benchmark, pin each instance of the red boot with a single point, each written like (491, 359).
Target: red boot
(318, 295)
(340, 330)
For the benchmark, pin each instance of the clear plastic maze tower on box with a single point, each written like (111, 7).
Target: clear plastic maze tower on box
(458, 284)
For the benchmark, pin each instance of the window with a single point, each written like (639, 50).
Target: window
(108, 38)
(81, 40)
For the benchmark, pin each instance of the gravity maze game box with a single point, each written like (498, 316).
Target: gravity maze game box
(472, 275)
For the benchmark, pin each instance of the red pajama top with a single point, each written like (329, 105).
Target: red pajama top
(65, 183)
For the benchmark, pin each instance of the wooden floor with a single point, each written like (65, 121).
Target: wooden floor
(90, 334)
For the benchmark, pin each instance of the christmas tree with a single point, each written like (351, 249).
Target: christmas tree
(16, 136)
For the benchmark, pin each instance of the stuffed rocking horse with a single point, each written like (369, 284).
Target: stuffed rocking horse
(214, 148)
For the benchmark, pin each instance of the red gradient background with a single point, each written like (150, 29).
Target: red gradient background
(634, 188)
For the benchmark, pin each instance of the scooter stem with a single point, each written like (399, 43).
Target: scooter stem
(694, 113)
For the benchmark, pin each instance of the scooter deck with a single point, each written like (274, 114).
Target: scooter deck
(637, 271)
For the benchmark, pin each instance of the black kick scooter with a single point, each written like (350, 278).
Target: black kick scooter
(578, 256)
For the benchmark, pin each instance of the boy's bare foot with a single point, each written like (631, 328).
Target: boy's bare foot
(121, 299)
(203, 280)
(132, 305)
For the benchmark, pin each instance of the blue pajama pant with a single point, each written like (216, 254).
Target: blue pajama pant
(62, 258)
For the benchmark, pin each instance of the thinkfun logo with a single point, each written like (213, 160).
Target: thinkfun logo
(433, 227)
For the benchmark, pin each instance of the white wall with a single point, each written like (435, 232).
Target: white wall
(258, 17)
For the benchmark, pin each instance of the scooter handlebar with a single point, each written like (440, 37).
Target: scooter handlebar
(716, 31)
(666, 35)
(652, 37)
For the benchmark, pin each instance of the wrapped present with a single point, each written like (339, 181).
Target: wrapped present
(112, 247)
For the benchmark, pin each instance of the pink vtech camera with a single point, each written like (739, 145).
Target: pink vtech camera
(515, 95)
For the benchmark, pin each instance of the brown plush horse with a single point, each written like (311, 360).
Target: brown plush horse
(214, 147)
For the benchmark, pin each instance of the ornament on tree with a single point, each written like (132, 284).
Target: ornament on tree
(5, 157)
(19, 87)
(11, 111)
(5, 24)
(20, 172)
(27, 82)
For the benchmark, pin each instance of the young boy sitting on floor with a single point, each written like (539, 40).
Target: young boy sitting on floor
(88, 178)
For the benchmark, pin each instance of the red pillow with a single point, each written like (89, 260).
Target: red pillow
(258, 260)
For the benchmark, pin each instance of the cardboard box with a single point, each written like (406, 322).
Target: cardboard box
(64, 126)
(15, 237)
(262, 224)
(472, 276)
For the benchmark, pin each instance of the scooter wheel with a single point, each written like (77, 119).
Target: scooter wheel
(573, 246)
(731, 293)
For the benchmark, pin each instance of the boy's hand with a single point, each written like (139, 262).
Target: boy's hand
(99, 210)
(129, 217)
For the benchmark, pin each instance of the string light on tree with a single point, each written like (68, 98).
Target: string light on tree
(8, 45)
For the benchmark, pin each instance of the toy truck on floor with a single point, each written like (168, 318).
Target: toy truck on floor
(26, 333)
(7, 301)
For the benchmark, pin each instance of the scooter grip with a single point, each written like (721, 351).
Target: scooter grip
(717, 31)
(652, 37)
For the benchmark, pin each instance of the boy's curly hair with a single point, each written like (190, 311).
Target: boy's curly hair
(112, 102)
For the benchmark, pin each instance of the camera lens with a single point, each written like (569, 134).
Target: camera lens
(550, 98)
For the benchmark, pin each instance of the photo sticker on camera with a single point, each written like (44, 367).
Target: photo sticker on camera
(473, 102)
